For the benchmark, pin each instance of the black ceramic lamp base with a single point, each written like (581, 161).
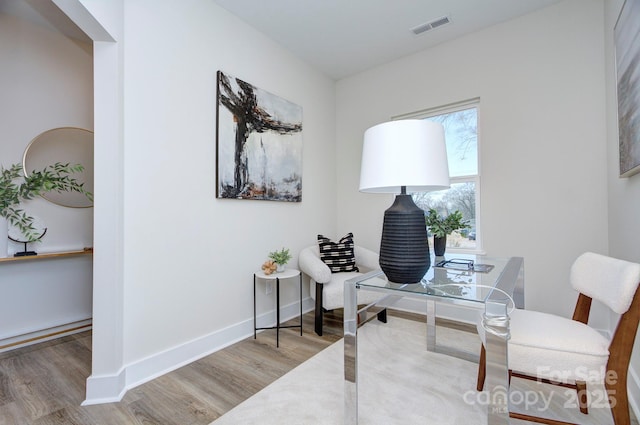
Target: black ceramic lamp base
(404, 248)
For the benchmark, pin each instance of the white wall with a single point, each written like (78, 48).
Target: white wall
(43, 297)
(46, 82)
(540, 80)
(189, 257)
(624, 193)
(103, 21)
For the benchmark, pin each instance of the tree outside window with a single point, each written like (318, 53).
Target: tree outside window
(460, 124)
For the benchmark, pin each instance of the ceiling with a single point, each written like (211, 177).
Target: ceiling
(344, 37)
(338, 37)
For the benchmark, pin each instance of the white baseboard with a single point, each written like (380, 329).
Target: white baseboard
(111, 388)
(36, 337)
(106, 388)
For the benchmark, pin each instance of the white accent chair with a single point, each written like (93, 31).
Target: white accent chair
(327, 289)
(568, 352)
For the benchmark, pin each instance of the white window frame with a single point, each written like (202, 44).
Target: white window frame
(445, 109)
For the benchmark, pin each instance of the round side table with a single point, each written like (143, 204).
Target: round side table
(286, 274)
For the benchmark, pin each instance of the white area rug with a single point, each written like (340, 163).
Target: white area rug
(400, 383)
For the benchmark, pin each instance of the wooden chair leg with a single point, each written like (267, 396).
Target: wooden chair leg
(382, 316)
(319, 310)
(618, 399)
(538, 419)
(482, 368)
(581, 387)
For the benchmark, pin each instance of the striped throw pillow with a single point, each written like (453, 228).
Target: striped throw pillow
(339, 256)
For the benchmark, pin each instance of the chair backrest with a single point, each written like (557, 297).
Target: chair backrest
(606, 279)
(314, 249)
(365, 258)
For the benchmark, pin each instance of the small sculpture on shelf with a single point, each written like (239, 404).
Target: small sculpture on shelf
(15, 235)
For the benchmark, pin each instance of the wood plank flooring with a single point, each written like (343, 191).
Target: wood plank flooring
(44, 384)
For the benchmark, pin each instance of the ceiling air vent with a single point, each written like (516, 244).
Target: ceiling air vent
(431, 25)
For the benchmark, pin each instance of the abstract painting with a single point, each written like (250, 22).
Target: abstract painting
(627, 43)
(259, 143)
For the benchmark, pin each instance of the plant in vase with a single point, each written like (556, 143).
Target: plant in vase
(441, 226)
(280, 258)
(16, 187)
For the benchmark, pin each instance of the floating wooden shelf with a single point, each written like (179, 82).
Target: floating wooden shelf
(44, 256)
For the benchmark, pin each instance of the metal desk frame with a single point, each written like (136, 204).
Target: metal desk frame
(495, 320)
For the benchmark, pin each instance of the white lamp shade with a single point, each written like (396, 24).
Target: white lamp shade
(409, 153)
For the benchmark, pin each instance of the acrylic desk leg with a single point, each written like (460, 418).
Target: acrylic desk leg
(350, 354)
(496, 323)
(431, 325)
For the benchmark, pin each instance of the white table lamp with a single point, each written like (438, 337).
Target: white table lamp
(401, 157)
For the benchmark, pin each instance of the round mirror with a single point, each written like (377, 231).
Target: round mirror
(65, 145)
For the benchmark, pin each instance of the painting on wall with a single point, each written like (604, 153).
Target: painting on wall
(627, 44)
(259, 143)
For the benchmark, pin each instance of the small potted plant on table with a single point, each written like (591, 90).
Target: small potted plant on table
(280, 258)
(441, 226)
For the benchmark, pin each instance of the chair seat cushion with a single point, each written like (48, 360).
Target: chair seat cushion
(333, 292)
(556, 348)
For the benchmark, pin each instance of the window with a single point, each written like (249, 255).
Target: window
(460, 124)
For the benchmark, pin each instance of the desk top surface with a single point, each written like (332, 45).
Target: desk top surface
(455, 283)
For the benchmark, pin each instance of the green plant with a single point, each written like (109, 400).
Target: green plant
(281, 257)
(16, 187)
(441, 226)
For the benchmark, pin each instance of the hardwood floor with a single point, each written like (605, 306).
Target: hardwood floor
(44, 384)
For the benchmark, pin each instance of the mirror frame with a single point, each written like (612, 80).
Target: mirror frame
(71, 145)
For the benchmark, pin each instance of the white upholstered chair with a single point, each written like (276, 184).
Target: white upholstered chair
(327, 289)
(568, 352)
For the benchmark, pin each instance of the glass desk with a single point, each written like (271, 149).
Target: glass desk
(490, 291)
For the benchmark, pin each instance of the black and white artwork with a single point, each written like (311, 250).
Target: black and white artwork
(259, 143)
(627, 43)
